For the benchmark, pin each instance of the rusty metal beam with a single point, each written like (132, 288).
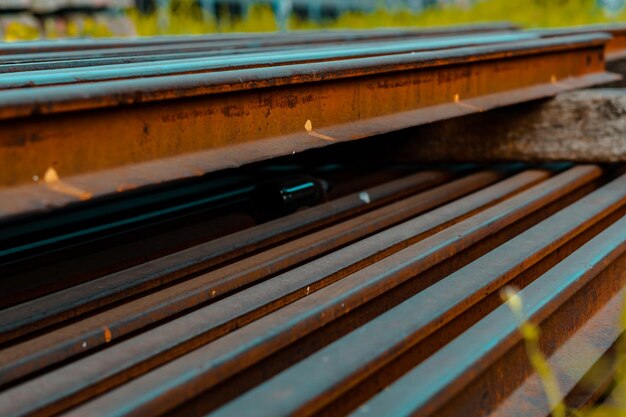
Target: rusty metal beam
(335, 369)
(186, 350)
(129, 52)
(379, 289)
(45, 311)
(38, 353)
(228, 314)
(22, 63)
(579, 50)
(240, 349)
(75, 53)
(247, 39)
(138, 54)
(477, 377)
(225, 62)
(344, 100)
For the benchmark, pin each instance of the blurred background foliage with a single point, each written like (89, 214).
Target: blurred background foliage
(156, 17)
(186, 16)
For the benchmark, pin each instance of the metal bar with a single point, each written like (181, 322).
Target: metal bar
(615, 48)
(254, 60)
(248, 122)
(213, 47)
(242, 47)
(210, 364)
(34, 315)
(38, 63)
(310, 36)
(335, 369)
(44, 351)
(182, 335)
(464, 366)
(237, 322)
(90, 96)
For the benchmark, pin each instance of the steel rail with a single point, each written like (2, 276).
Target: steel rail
(138, 227)
(340, 366)
(37, 63)
(63, 305)
(208, 323)
(17, 63)
(53, 100)
(352, 294)
(461, 370)
(70, 45)
(249, 122)
(253, 60)
(35, 354)
(209, 47)
(221, 44)
(48, 61)
(234, 352)
(615, 48)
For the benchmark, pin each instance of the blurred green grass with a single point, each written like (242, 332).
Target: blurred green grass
(185, 17)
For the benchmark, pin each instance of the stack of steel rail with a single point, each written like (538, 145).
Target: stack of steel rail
(383, 299)
(107, 115)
